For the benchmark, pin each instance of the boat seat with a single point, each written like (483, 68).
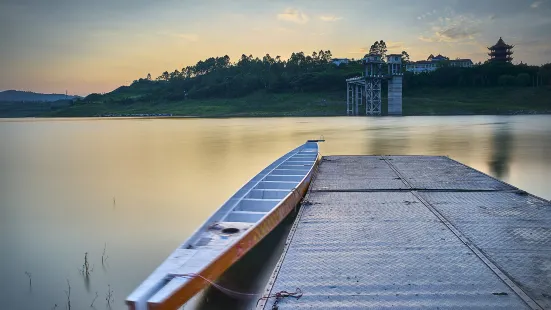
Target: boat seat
(267, 193)
(256, 205)
(289, 177)
(276, 185)
(244, 216)
(289, 171)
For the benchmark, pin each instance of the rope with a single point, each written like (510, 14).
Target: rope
(279, 295)
(222, 289)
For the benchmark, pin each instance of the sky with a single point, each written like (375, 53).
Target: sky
(85, 46)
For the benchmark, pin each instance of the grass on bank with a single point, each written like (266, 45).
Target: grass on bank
(459, 101)
(455, 101)
(257, 104)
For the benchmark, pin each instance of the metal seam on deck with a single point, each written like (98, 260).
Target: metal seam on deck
(487, 175)
(419, 194)
(516, 189)
(262, 301)
(497, 271)
(508, 281)
(277, 268)
(359, 190)
(402, 177)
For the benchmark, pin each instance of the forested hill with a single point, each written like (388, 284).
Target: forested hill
(219, 77)
(25, 96)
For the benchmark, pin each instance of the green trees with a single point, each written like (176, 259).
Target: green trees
(405, 57)
(544, 74)
(219, 77)
(164, 77)
(483, 75)
(506, 80)
(523, 79)
(379, 48)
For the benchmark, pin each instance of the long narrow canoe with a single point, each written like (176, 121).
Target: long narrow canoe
(236, 227)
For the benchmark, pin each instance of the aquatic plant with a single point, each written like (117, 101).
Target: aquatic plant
(93, 300)
(86, 269)
(30, 278)
(104, 256)
(68, 294)
(109, 296)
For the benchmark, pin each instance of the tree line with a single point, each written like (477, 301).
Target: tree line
(483, 75)
(219, 77)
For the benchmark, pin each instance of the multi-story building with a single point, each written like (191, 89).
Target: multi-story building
(501, 52)
(434, 62)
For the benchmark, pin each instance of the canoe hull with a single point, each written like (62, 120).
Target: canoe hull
(236, 251)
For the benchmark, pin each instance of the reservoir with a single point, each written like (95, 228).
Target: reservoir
(132, 190)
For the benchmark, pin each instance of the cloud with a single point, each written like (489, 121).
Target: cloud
(536, 4)
(452, 34)
(425, 39)
(527, 42)
(330, 18)
(453, 29)
(390, 45)
(283, 30)
(192, 37)
(426, 14)
(394, 45)
(293, 15)
(362, 50)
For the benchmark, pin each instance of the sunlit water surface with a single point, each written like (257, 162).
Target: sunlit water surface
(140, 187)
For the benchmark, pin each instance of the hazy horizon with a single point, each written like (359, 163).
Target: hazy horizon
(86, 47)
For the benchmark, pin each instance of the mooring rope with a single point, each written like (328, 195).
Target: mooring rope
(281, 294)
(224, 290)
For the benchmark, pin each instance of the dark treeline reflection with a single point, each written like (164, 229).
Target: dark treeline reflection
(501, 150)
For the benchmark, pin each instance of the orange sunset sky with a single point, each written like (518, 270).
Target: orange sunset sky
(89, 46)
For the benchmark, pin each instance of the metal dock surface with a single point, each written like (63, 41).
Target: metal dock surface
(411, 232)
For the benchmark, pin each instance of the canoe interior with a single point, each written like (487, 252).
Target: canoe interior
(246, 209)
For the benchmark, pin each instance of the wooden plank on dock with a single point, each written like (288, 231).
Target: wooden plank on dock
(414, 232)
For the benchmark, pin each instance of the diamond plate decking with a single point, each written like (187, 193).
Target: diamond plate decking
(413, 232)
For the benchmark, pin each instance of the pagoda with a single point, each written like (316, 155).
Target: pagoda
(501, 52)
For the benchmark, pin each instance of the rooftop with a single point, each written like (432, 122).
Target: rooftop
(431, 62)
(501, 44)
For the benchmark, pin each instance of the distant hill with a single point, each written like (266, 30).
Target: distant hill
(27, 96)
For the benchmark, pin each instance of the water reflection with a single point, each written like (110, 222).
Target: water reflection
(501, 150)
(87, 283)
(143, 186)
(248, 276)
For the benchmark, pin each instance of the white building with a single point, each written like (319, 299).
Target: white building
(434, 62)
(339, 61)
(465, 63)
(421, 66)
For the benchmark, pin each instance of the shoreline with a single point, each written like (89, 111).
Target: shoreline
(422, 102)
(263, 116)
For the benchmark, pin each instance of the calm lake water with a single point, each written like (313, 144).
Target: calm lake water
(140, 187)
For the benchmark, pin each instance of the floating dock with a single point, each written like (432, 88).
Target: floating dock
(412, 232)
